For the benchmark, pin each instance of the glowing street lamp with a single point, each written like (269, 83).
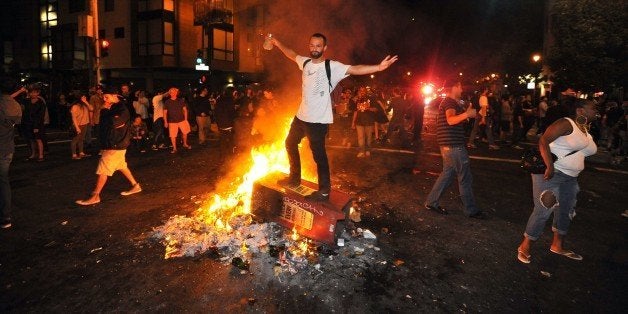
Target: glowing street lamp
(536, 57)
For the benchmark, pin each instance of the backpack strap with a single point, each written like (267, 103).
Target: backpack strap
(327, 70)
(306, 62)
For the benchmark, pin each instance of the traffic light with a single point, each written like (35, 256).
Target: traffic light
(199, 56)
(104, 48)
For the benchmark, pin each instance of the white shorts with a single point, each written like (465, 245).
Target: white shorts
(110, 161)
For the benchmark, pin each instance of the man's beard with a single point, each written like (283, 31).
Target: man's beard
(316, 54)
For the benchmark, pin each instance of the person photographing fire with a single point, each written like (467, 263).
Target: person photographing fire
(315, 114)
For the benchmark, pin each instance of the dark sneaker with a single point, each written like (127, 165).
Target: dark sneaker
(6, 224)
(479, 215)
(288, 182)
(438, 209)
(317, 196)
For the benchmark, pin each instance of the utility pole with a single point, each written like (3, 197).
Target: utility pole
(94, 9)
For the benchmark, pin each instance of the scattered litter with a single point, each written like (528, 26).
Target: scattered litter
(98, 261)
(464, 287)
(367, 234)
(95, 250)
(354, 214)
(398, 262)
(384, 230)
(358, 250)
(546, 274)
(341, 242)
(252, 301)
(408, 296)
(51, 243)
(64, 223)
(376, 248)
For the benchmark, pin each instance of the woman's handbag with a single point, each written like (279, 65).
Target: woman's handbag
(532, 161)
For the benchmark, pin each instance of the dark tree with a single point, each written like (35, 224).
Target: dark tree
(589, 50)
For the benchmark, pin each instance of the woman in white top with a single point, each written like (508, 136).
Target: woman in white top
(80, 119)
(555, 191)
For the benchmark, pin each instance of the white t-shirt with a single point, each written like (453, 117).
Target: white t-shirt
(315, 104)
(158, 107)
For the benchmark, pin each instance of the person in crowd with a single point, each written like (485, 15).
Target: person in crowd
(517, 123)
(63, 112)
(344, 110)
(176, 118)
(542, 112)
(159, 139)
(555, 190)
(484, 121)
(526, 117)
(400, 110)
(225, 113)
(202, 110)
(380, 124)
(141, 107)
(96, 101)
(127, 98)
(315, 111)
(364, 121)
(80, 111)
(505, 121)
(10, 115)
(114, 137)
(139, 134)
(33, 121)
(452, 115)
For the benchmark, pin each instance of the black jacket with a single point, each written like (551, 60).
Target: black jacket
(115, 131)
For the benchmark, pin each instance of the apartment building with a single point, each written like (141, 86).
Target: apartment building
(152, 43)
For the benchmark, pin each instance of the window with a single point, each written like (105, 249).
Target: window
(47, 19)
(118, 32)
(152, 5)
(150, 38)
(222, 45)
(168, 38)
(109, 5)
(169, 5)
(76, 6)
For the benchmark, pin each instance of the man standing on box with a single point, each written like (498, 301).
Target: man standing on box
(315, 114)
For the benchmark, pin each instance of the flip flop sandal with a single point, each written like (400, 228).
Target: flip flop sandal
(568, 254)
(522, 257)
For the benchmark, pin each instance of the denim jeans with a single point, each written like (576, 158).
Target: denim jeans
(365, 137)
(565, 188)
(158, 129)
(315, 133)
(488, 129)
(455, 163)
(5, 187)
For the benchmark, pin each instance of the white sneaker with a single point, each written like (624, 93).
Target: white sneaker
(360, 154)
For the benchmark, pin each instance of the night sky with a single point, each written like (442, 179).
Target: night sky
(432, 38)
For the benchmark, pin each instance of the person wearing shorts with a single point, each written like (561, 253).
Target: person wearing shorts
(176, 118)
(114, 136)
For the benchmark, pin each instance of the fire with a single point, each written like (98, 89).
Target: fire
(228, 211)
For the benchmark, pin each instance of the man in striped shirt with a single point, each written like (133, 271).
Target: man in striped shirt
(450, 137)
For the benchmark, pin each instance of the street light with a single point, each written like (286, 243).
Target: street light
(536, 57)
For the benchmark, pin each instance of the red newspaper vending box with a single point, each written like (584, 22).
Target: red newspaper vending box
(321, 221)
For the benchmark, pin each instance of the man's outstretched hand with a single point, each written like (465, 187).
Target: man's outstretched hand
(387, 62)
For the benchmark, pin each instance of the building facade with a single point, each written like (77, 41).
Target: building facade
(152, 44)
